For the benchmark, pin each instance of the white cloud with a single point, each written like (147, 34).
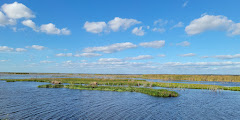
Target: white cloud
(138, 31)
(111, 48)
(95, 27)
(20, 50)
(31, 24)
(184, 43)
(17, 10)
(205, 57)
(88, 55)
(185, 4)
(121, 23)
(188, 55)
(161, 30)
(140, 57)
(113, 25)
(3, 60)
(6, 49)
(162, 55)
(46, 61)
(202, 63)
(227, 56)
(5, 20)
(110, 60)
(211, 22)
(179, 24)
(153, 44)
(46, 28)
(64, 55)
(51, 29)
(37, 47)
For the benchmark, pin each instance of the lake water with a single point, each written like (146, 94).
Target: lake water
(23, 100)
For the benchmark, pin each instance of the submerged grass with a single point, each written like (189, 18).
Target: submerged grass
(148, 91)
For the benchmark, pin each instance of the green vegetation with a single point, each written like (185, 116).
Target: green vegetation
(127, 82)
(148, 91)
(220, 78)
(51, 86)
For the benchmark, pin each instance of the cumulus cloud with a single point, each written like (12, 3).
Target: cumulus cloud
(6, 49)
(37, 47)
(184, 43)
(17, 10)
(88, 55)
(52, 29)
(64, 55)
(20, 50)
(121, 23)
(113, 25)
(138, 31)
(111, 48)
(140, 57)
(153, 44)
(5, 20)
(14, 11)
(95, 27)
(9, 49)
(188, 55)
(31, 24)
(46, 28)
(213, 22)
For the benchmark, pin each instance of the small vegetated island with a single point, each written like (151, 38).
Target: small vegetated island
(113, 83)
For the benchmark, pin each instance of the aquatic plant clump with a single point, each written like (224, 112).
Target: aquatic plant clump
(148, 91)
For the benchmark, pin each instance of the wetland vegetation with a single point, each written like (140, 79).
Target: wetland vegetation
(128, 82)
(148, 91)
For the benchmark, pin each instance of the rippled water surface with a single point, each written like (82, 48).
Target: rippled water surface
(23, 100)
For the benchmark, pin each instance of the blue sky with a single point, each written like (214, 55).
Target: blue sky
(120, 37)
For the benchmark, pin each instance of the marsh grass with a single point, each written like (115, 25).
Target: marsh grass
(148, 91)
(129, 83)
(220, 78)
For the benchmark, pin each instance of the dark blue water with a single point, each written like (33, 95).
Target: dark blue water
(23, 100)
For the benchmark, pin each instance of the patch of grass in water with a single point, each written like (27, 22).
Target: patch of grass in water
(50, 86)
(148, 91)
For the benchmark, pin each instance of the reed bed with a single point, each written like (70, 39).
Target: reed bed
(220, 78)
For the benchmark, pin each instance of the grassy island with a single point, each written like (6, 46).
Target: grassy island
(148, 91)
